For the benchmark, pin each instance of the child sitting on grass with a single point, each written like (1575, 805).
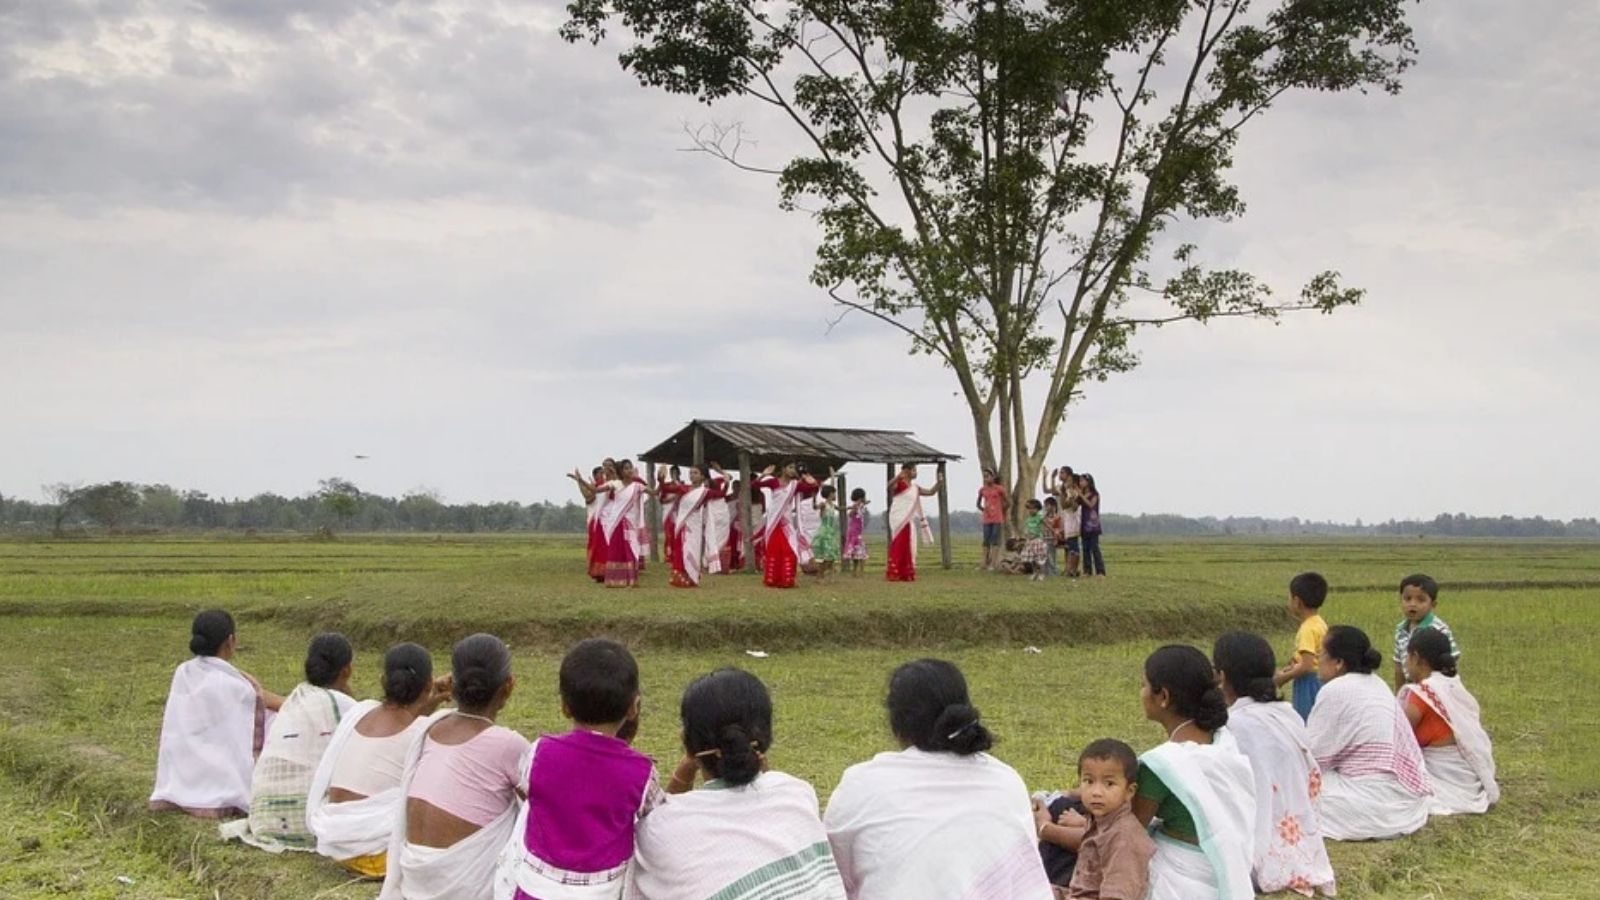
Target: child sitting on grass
(1307, 592)
(1419, 597)
(587, 788)
(1113, 849)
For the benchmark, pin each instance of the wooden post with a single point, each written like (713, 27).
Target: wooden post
(744, 511)
(888, 493)
(652, 511)
(699, 447)
(944, 518)
(843, 485)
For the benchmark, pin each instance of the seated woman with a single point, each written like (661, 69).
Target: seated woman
(1289, 852)
(757, 832)
(1444, 717)
(295, 741)
(462, 786)
(940, 817)
(1197, 784)
(212, 728)
(1374, 783)
(355, 794)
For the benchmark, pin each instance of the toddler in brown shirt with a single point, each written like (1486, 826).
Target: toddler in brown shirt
(1114, 855)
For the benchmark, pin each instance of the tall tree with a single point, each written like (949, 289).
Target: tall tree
(110, 504)
(341, 497)
(63, 497)
(997, 178)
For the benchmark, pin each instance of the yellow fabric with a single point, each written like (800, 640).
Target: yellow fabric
(1309, 638)
(367, 866)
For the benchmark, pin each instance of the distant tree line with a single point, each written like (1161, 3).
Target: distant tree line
(339, 505)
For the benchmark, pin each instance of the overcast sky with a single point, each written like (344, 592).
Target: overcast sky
(242, 242)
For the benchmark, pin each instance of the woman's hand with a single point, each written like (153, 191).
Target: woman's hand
(1071, 818)
(1041, 817)
(682, 780)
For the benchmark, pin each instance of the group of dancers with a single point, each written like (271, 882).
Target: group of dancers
(795, 518)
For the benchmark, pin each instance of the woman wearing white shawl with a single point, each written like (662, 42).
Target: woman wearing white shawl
(213, 727)
(748, 833)
(463, 784)
(784, 546)
(355, 793)
(1374, 783)
(1289, 851)
(622, 522)
(1445, 718)
(907, 524)
(698, 550)
(941, 818)
(1197, 784)
(295, 741)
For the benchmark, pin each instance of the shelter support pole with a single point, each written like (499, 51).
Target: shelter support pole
(944, 518)
(843, 488)
(888, 493)
(653, 513)
(700, 448)
(744, 512)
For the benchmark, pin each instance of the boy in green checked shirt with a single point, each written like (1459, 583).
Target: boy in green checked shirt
(1419, 595)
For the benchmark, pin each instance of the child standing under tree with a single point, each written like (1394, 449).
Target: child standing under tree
(1054, 536)
(1035, 555)
(825, 545)
(855, 536)
(1089, 504)
(992, 504)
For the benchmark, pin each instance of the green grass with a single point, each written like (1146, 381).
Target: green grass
(84, 676)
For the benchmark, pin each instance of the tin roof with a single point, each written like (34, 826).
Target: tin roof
(774, 444)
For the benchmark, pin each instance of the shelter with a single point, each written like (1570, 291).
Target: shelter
(754, 447)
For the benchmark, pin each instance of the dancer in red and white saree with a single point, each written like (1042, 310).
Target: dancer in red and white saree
(670, 489)
(697, 550)
(783, 544)
(906, 523)
(594, 497)
(621, 520)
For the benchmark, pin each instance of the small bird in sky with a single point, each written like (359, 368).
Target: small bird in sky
(360, 456)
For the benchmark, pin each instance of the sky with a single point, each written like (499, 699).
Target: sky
(243, 243)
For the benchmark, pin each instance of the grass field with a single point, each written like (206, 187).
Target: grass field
(92, 631)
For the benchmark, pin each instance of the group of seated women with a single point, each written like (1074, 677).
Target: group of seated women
(445, 803)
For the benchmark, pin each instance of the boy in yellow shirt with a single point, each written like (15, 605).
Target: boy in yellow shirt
(1307, 591)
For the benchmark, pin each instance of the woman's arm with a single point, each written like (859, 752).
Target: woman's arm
(270, 700)
(682, 780)
(1144, 809)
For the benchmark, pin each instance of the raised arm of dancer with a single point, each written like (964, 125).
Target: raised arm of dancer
(929, 492)
(584, 487)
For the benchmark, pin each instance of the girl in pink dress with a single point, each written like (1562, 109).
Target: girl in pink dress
(855, 535)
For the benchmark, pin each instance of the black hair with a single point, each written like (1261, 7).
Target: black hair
(481, 665)
(599, 681)
(1419, 580)
(1114, 750)
(929, 709)
(1051, 501)
(858, 494)
(1351, 646)
(1089, 478)
(827, 492)
(328, 654)
(1246, 663)
(211, 629)
(621, 464)
(407, 673)
(598, 471)
(1033, 503)
(1433, 647)
(675, 473)
(1311, 588)
(727, 724)
(1068, 470)
(1187, 677)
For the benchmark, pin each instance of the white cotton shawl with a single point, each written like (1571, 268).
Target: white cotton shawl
(467, 870)
(1215, 783)
(760, 841)
(207, 744)
(1289, 851)
(915, 824)
(1472, 758)
(358, 827)
(1357, 729)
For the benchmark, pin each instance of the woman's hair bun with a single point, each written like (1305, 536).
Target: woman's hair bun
(481, 665)
(327, 656)
(1372, 658)
(209, 631)
(960, 730)
(1213, 711)
(727, 724)
(407, 673)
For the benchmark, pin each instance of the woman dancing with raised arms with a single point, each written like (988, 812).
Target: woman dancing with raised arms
(621, 521)
(784, 546)
(695, 547)
(905, 520)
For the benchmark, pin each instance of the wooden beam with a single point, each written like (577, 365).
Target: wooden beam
(944, 519)
(699, 447)
(744, 511)
(842, 485)
(888, 493)
(652, 511)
